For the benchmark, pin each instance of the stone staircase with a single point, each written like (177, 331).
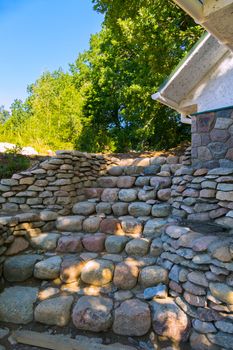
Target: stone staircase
(93, 269)
(119, 266)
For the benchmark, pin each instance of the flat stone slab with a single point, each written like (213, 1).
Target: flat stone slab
(93, 314)
(20, 268)
(16, 304)
(222, 292)
(54, 311)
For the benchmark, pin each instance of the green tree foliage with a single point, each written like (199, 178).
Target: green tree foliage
(13, 125)
(104, 103)
(4, 115)
(50, 117)
(55, 104)
(140, 43)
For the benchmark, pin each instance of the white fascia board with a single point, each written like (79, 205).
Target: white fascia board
(191, 71)
(193, 7)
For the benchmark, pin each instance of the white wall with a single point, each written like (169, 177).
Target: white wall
(216, 88)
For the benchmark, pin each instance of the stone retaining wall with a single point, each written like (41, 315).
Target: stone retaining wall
(212, 139)
(54, 184)
(201, 281)
(58, 182)
(122, 249)
(203, 195)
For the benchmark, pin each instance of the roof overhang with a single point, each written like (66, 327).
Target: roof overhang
(191, 70)
(216, 16)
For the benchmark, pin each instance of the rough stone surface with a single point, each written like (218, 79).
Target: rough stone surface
(169, 320)
(54, 311)
(203, 327)
(160, 291)
(152, 275)
(115, 244)
(131, 226)
(120, 209)
(152, 226)
(125, 275)
(164, 194)
(175, 231)
(16, 304)
(97, 272)
(222, 292)
(198, 278)
(93, 314)
(125, 181)
(201, 342)
(144, 195)
(18, 245)
(45, 241)
(160, 182)
(20, 268)
(107, 181)
(224, 340)
(104, 208)
(160, 210)
(69, 244)
(132, 318)
(47, 215)
(94, 243)
(111, 226)
(48, 268)
(224, 326)
(84, 208)
(109, 195)
(91, 224)
(137, 246)
(128, 195)
(139, 209)
(71, 269)
(70, 223)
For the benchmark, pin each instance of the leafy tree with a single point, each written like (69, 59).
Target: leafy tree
(13, 125)
(55, 105)
(50, 117)
(141, 41)
(4, 115)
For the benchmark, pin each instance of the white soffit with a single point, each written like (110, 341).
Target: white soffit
(191, 71)
(216, 16)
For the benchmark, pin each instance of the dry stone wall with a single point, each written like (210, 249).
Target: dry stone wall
(212, 139)
(116, 255)
(54, 184)
(203, 195)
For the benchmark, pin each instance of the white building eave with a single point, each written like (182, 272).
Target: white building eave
(216, 16)
(199, 62)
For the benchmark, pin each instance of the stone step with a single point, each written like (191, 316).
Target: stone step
(112, 235)
(122, 225)
(146, 166)
(143, 193)
(160, 179)
(134, 208)
(123, 312)
(96, 257)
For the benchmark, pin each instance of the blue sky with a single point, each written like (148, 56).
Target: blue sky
(39, 35)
